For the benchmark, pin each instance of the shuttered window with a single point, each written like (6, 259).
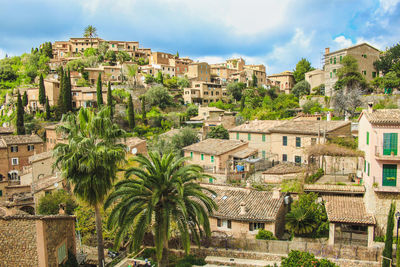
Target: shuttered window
(390, 143)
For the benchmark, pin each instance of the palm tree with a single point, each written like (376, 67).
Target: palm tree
(122, 57)
(301, 221)
(90, 32)
(90, 159)
(160, 190)
(132, 72)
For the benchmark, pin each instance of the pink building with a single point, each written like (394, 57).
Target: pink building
(380, 169)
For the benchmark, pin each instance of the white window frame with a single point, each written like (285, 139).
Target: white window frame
(14, 159)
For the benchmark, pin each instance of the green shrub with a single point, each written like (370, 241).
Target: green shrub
(50, 203)
(190, 260)
(306, 259)
(265, 235)
(148, 253)
(314, 177)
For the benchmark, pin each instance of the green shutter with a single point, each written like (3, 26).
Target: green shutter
(212, 159)
(367, 138)
(263, 137)
(334, 60)
(340, 58)
(390, 143)
(389, 175)
(263, 154)
(369, 168)
(210, 180)
(330, 60)
(298, 142)
(248, 136)
(284, 140)
(202, 156)
(365, 166)
(62, 253)
(237, 136)
(191, 154)
(330, 74)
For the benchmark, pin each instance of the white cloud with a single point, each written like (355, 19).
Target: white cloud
(388, 6)
(210, 59)
(343, 42)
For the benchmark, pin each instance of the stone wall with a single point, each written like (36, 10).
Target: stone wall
(365, 100)
(18, 242)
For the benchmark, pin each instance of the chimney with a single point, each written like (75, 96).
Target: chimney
(276, 193)
(61, 210)
(242, 208)
(328, 116)
(370, 107)
(327, 50)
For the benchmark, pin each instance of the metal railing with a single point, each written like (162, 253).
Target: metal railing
(381, 151)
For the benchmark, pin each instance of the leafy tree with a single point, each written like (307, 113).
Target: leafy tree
(99, 91)
(110, 102)
(103, 49)
(90, 52)
(47, 107)
(143, 103)
(183, 82)
(254, 80)
(349, 78)
(111, 57)
(242, 103)
(50, 204)
(159, 96)
(192, 110)
(311, 107)
(90, 32)
(306, 216)
(67, 91)
(390, 80)
(25, 99)
(305, 259)
(123, 57)
(160, 78)
(132, 73)
(47, 50)
(42, 92)
(218, 132)
(388, 250)
(301, 88)
(346, 103)
(61, 109)
(172, 195)
(318, 90)
(20, 116)
(186, 137)
(149, 79)
(388, 60)
(90, 159)
(177, 54)
(236, 90)
(171, 83)
(302, 67)
(131, 113)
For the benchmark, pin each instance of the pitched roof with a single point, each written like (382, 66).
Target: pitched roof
(257, 126)
(6, 130)
(332, 188)
(215, 146)
(133, 141)
(351, 47)
(347, 209)
(245, 153)
(309, 126)
(285, 168)
(21, 139)
(229, 200)
(383, 116)
(41, 156)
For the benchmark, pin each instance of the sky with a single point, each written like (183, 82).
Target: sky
(274, 33)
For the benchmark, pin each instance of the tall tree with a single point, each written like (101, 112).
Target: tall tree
(301, 88)
(47, 109)
(90, 159)
(25, 99)
(99, 91)
(68, 92)
(159, 96)
(131, 113)
(20, 116)
(110, 102)
(160, 78)
(302, 67)
(254, 80)
(122, 57)
(132, 73)
(388, 250)
(236, 90)
(218, 132)
(143, 102)
(349, 78)
(172, 195)
(42, 91)
(389, 60)
(61, 109)
(90, 32)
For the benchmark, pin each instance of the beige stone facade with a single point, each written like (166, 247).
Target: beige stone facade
(315, 78)
(204, 93)
(199, 71)
(37, 241)
(364, 53)
(284, 79)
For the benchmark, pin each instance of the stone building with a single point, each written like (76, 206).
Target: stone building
(199, 71)
(37, 241)
(243, 211)
(315, 78)
(364, 53)
(204, 93)
(285, 80)
(380, 169)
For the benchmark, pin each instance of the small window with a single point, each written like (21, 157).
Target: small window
(263, 137)
(256, 226)
(202, 156)
(365, 166)
(298, 142)
(14, 148)
(297, 159)
(1, 193)
(237, 136)
(14, 161)
(31, 147)
(373, 74)
(212, 159)
(284, 140)
(334, 60)
(284, 157)
(62, 253)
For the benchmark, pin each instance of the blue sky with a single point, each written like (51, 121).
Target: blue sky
(275, 33)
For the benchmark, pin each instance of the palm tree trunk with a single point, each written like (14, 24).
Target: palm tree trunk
(99, 232)
(164, 260)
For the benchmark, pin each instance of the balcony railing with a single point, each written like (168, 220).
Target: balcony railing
(382, 152)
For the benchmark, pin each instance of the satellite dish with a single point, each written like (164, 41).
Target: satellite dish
(55, 185)
(134, 150)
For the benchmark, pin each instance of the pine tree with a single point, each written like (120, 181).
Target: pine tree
(99, 92)
(68, 92)
(110, 103)
(42, 91)
(142, 98)
(20, 116)
(47, 109)
(25, 99)
(131, 113)
(388, 250)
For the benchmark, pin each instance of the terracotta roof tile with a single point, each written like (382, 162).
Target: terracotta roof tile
(215, 146)
(347, 209)
(245, 153)
(329, 188)
(257, 126)
(6, 130)
(309, 126)
(285, 168)
(383, 116)
(41, 156)
(21, 139)
(260, 206)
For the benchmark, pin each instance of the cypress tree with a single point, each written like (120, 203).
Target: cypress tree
(68, 92)
(42, 91)
(61, 106)
(131, 113)
(242, 102)
(25, 99)
(142, 98)
(47, 109)
(110, 103)
(20, 116)
(99, 92)
(388, 250)
(255, 82)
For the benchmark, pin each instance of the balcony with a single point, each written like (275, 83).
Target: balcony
(382, 153)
